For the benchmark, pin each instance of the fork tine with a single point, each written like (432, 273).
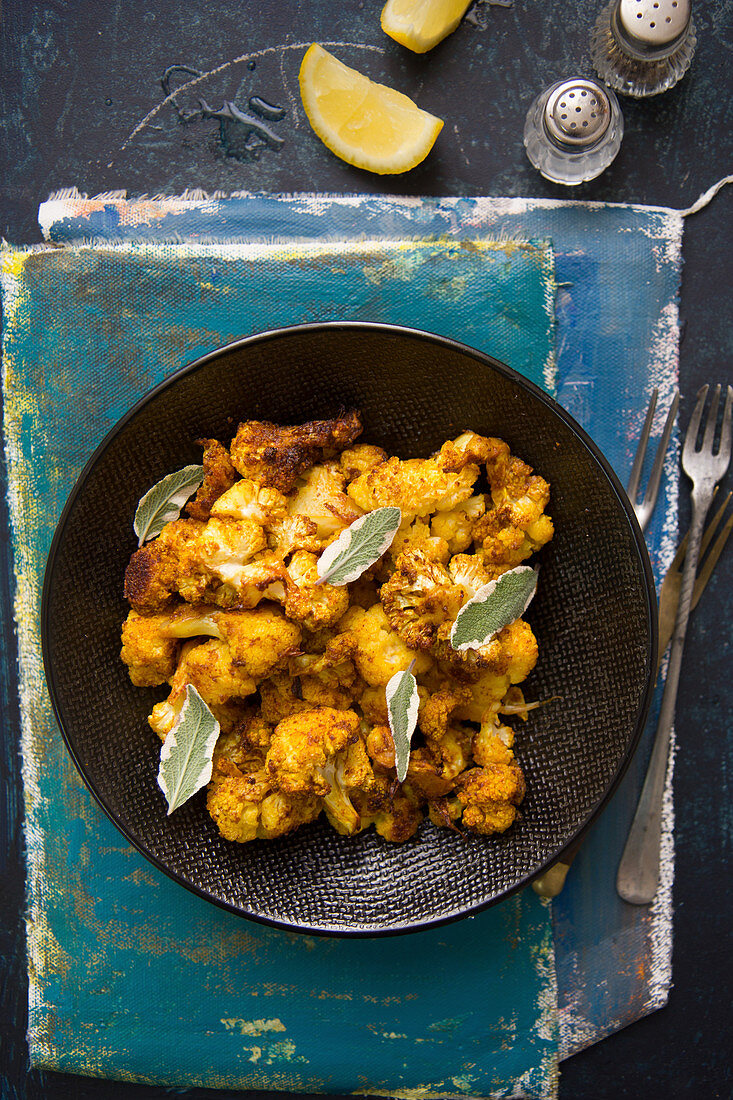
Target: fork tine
(635, 476)
(703, 575)
(707, 443)
(652, 489)
(725, 431)
(694, 426)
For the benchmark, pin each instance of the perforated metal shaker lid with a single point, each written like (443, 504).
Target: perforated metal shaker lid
(654, 24)
(577, 113)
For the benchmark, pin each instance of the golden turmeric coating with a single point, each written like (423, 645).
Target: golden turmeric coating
(228, 599)
(277, 456)
(219, 475)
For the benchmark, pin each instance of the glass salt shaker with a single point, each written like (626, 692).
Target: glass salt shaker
(573, 130)
(643, 47)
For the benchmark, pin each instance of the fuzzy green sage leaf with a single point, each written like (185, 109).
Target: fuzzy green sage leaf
(164, 501)
(402, 704)
(495, 605)
(187, 752)
(359, 546)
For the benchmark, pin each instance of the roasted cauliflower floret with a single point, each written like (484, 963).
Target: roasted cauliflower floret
(349, 775)
(360, 458)
(443, 812)
(517, 525)
(401, 818)
(211, 668)
(484, 695)
(234, 804)
(417, 486)
(273, 455)
(427, 776)
(259, 640)
(520, 650)
(219, 475)
(468, 571)
(223, 561)
(453, 750)
(320, 497)
(245, 746)
(280, 696)
(308, 602)
(436, 713)
(320, 752)
(511, 652)
(468, 449)
(304, 743)
(456, 526)
(419, 598)
(393, 809)
(372, 702)
(247, 500)
(244, 809)
(295, 533)
(200, 664)
(151, 577)
(262, 578)
(282, 813)
(380, 745)
(493, 742)
(221, 550)
(379, 651)
(490, 797)
(415, 534)
(149, 654)
(327, 679)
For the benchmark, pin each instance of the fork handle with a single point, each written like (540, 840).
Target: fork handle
(638, 873)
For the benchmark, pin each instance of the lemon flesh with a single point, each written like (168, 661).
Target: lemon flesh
(366, 124)
(422, 24)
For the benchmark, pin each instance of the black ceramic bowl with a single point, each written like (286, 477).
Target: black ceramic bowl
(594, 617)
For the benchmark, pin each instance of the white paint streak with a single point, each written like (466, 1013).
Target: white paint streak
(661, 932)
(31, 689)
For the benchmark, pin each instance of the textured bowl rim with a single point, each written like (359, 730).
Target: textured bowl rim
(517, 379)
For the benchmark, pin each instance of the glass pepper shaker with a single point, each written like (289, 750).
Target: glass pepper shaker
(573, 130)
(643, 47)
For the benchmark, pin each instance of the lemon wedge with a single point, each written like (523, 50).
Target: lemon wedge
(422, 24)
(364, 123)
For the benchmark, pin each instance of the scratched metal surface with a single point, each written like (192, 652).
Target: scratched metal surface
(77, 80)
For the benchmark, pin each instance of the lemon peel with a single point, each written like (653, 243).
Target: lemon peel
(422, 24)
(368, 125)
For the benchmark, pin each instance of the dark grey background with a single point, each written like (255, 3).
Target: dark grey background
(77, 78)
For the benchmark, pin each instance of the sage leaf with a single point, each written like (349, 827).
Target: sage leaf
(359, 546)
(493, 607)
(402, 704)
(187, 752)
(164, 501)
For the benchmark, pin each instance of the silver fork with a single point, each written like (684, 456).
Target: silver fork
(638, 874)
(645, 507)
(550, 884)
